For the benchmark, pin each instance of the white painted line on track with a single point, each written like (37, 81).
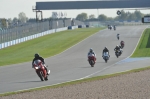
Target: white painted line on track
(138, 42)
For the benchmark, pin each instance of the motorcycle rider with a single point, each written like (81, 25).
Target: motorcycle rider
(114, 27)
(36, 57)
(118, 36)
(118, 48)
(122, 43)
(91, 52)
(110, 27)
(104, 51)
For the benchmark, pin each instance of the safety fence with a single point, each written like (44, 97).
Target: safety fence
(30, 37)
(21, 31)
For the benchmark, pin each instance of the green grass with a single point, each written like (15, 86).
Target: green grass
(143, 48)
(46, 46)
(78, 81)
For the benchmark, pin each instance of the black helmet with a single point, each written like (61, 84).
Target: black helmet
(36, 55)
(105, 47)
(91, 50)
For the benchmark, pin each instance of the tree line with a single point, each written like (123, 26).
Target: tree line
(125, 16)
(15, 21)
(23, 19)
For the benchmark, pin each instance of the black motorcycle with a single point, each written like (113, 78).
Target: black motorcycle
(118, 53)
(114, 28)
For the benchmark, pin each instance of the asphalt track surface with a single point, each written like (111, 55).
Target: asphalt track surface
(72, 64)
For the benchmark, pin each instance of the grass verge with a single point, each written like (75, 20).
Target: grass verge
(143, 48)
(77, 81)
(46, 46)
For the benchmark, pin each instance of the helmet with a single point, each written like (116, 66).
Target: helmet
(91, 50)
(117, 45)
(36, 55)
(105, 47)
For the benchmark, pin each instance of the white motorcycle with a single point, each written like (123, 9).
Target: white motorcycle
(106, 56)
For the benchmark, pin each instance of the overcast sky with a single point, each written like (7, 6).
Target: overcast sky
(11, 9)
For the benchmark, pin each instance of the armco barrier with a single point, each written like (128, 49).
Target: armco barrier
(79, 26)
(72, 27)
(87, 26)
(83, 26)
(17, 41)
(69, 27)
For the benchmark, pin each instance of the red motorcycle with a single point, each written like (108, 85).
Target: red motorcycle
(91, 59)
(40, 70)
(122, 44)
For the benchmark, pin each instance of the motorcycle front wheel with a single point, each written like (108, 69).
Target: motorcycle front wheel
(92, 63)
(40, 75)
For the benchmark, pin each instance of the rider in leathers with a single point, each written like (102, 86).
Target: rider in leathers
(36, 57)
(91, 52)
(122, 43)
(118, 36)
(118, 48)
(105, 50)
(114, 27)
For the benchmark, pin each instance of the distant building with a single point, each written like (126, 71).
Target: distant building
(55, 15)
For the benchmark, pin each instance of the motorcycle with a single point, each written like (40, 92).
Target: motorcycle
(91, 59)
(118, 53)
(40, 70)
(114, 28)
(122, 44)
(118, 36)
(105, 56)
(110, 27)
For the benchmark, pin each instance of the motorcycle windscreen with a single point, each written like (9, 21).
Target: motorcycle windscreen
(105, 53)
(37, 62)
(91, 55)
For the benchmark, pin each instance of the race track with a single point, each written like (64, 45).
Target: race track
(72, 64)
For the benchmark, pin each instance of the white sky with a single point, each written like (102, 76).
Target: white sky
(11, 9)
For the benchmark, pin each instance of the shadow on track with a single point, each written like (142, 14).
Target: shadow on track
(27, 81)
